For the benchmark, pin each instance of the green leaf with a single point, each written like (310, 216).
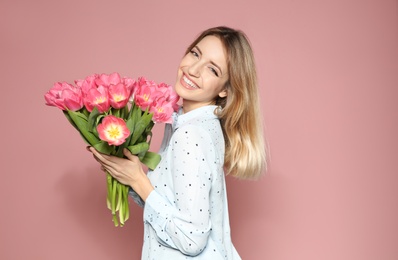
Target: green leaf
(139, 148)
(151, 160)
(149, 127)
(80, 121)
(70, 119)
(130, 112)
(135, 114)
(124, 111)
(93, 121)
(119, 150)
(92, 118)
(114, 112)
(130, 124)
(140, 127)
(85, 111)
(104, 147)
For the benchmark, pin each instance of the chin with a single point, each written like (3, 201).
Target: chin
(179, 90)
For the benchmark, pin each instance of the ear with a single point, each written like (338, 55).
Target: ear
(223, 93)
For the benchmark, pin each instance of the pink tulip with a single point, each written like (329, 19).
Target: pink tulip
(119, 95)
(129, 83)
(170, 94)
(107, 80)
(162, 111)
(144, 93)
(64, 96)
(113, 130)
(87, 84)
(73, 99)
(53, 96)
(97, 97)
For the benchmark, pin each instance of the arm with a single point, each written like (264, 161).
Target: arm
(185, 224)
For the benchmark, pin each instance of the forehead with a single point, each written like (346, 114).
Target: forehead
(213, 49)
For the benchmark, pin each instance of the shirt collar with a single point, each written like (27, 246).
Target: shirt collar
(205, 112)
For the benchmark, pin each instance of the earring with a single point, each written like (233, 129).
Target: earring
(218, 111)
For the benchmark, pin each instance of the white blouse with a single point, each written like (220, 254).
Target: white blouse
(186, 216)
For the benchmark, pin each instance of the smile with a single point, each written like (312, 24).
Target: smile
(189, 82)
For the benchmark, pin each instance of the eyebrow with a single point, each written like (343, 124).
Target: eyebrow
(212, 62)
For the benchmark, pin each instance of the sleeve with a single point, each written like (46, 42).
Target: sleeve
(166, 137)
(137, 199)
(184, 224)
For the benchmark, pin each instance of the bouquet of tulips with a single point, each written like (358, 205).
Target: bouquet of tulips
(112, 113)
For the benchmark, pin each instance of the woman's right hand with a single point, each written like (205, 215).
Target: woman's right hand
(127, 171)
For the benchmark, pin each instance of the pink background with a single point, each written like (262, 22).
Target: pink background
(328, 72)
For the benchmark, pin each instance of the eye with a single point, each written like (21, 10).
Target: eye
(194, 53)
(213, 71)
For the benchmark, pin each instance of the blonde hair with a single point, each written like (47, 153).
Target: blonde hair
(245, 155)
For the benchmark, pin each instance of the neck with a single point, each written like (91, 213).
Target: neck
(189, 106)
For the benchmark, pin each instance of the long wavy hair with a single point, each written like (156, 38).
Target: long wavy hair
(240, 117)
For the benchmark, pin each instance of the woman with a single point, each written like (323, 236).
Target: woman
(217, 129)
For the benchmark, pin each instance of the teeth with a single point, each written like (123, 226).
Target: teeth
(190, 83)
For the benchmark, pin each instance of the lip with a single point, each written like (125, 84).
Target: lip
(186, 85)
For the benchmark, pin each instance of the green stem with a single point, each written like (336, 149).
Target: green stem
(126, 203)
(115, 221)
(113, 198)
(119, 196)
(121, 205)
(109, 189)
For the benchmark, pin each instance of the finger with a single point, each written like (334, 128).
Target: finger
(100, 157)
(127, 153)
(130, 156)
(95, 152)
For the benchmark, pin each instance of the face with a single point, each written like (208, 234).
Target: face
(202, 74)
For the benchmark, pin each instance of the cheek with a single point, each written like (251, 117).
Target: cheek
(215, 85)
(184, 61)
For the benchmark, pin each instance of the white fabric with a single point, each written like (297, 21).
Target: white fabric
(186, 216)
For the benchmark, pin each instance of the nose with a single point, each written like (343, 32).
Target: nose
(194, 69)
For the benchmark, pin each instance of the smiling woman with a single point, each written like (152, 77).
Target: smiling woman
(202, 74)
(239, 108)
(218, 127)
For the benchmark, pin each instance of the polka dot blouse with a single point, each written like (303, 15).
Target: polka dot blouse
(186, 215)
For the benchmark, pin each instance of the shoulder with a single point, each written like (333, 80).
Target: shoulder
(200, 126)
(209, 126)
(192, 133)
(203, 117)
(198, 139)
